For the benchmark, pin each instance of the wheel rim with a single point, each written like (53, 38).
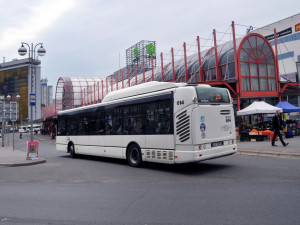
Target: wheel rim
(134, 155)
(71, 150)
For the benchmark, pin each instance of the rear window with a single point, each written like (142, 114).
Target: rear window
(208, 95)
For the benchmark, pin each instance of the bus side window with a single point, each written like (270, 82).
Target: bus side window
(61, 127)
(100, 122)
(92, 124)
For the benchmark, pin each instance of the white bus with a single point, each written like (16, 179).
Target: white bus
(154, 122)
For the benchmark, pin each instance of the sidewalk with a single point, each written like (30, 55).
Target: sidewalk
(10, 158)
(264, 148)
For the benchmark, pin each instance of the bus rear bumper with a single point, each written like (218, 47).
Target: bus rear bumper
(200, 155)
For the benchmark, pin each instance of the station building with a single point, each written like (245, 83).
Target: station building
(288, 47)
(248, 66)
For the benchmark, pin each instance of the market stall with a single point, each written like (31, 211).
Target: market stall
(292, 125)
(257, 107)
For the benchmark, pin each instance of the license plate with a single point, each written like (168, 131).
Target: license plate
(216, 144)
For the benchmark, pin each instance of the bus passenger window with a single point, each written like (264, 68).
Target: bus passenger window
(138, 128)
(108, 129)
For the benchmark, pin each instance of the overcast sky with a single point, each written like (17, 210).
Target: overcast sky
(87, 37)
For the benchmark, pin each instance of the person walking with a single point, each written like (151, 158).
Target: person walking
(277, 126)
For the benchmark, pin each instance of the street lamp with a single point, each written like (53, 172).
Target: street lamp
(31, 55)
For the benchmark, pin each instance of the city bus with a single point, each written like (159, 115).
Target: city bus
(158, 122)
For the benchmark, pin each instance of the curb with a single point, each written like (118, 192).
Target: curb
(25, 163)
(290, 155)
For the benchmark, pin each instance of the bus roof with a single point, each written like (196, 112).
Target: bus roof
(145, 88)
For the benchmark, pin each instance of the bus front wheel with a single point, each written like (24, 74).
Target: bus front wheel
(72, 151)
(134, 155)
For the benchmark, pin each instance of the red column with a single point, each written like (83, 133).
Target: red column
(98, 92)
(87, 95)
(199, 58)
(236, 68)
(162, 67)
(106, 85)
(84, 103)
(173, 65)
(216, 56)
(143, 71)
(91, 90)
(152, 68)
(135, 71)
(94, 93)
(128, 76)
(185, 62)
(81, 97)
(102, 89)
(111, 83)
(276, 66)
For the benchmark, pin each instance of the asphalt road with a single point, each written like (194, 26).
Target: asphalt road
(237, 189)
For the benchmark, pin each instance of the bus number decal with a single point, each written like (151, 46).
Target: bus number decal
(228, 119)
(180, 102)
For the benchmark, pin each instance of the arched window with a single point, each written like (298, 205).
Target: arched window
(257, 65)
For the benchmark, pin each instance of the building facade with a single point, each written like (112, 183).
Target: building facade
(22, 77)
(288, 48)
(46, 93)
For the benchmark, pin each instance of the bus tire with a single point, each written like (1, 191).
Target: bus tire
(72, 151)
(134, 155)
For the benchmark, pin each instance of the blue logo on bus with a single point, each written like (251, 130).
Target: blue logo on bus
(202, 119)
(202, 127)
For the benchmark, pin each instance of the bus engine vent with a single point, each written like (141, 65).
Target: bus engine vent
(183, 126)
(160, 155)
(225, 112)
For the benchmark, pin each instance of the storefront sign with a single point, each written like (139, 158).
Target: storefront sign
(297, 27)
(291, 77)
(32, 149)
(279, 34)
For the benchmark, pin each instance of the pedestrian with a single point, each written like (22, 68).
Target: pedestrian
(277, 127)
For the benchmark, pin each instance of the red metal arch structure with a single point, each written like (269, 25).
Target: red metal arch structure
(257, 68)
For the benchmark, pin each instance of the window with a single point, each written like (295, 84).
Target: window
(212, 95)
(149, 116)
(257, 65)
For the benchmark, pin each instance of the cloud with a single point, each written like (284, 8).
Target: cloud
(33, 19)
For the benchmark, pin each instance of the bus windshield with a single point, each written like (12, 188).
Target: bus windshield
(206, 94)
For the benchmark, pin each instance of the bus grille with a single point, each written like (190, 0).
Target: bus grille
(183, 126)
(161, 155)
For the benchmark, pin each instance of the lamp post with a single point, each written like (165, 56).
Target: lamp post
(17, 99)
(31, 55)
(3, 121)
(8, 97)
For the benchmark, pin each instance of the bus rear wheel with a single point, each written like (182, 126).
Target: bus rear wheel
(72, 151)
(134, 156)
